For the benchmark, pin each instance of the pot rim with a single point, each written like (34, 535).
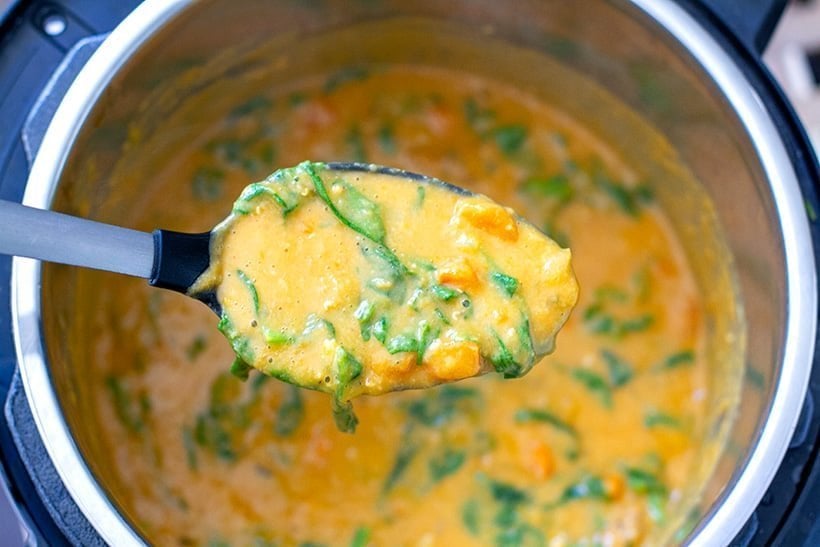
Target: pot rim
(734, 506)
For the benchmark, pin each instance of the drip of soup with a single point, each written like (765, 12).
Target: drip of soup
(364, 282)
(596, 445)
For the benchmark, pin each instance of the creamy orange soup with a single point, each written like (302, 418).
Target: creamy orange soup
(593, 447)
(363, 280)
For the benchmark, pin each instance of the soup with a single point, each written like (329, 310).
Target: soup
(367, 281)
(596, 445)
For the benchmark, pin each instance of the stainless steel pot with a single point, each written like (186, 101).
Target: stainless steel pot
(650, 56)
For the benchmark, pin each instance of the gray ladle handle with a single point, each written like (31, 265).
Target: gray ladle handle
(55, 237)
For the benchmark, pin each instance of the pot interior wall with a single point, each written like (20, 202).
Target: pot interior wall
(604, 64)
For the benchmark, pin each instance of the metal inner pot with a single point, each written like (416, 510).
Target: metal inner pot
(636, 72)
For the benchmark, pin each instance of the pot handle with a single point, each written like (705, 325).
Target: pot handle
(752, 21)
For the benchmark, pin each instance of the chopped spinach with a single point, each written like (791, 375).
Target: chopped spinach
(420, 195)
(524, 415)
(364, 314)
(510, 138)
(442, 292)
(446, 463)
(627, 199)
(480, 119)
(207, 184)
(361, 537)
(595, 383)
(620, 372)
(346, 368)
(346, 420)
(291, 412)
(277, 337)
(506, 283)
(285, 198)
(438, 406)
(251, 286)
(643, 482)
(196, 347)
(557, 187)
(470, 516)
(402, 343)
(677, 360)
(404, 456)
(589, 487)
(503, 360)
(240, 369)
(387, 139)
(251, 106)
(314, 323)
(241, 345)
(130, 412)
(379, 329)
(661, 419)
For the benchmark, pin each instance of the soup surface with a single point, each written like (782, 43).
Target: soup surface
(365, 281)
(594, 446)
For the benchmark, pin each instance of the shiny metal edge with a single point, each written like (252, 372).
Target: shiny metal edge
(738, 502)
(134, 30)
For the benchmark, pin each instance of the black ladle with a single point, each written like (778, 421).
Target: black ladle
(167, 259)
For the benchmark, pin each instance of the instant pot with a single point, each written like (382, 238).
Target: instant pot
(692, 68)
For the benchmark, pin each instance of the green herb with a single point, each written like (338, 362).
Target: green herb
(355, 144)
(627, 199)
(207, 184)
(343, 415)
(557, 187)
(361, 537)
(296, 98)
(379, 329)
(506, 493)
(364, 314)
(441, 316)
(386, 139)
(480, 119)
(277, 337)
(291, 412)
(470, 516)
(525, 340)
(660, 419)
(210, 433)
(609, 292)
(594, 383)
(510, 138)
(190, 448)
(240, 369)
(366, 217)
(196, 347)
(345, 75)
(425, 334)
(249, 284)
(643, 482)
(524, 415)
(506, 283)
(590, 487)
(420, 194)
(404, 456)
(241, 345)
(402, 343)
(444, 293)
(637, 324)
(503, 361)
(620, 372)
(282, 196)
(656, 507)
(755, 377)
(678, 359)
(346, 368)
(438, 406)
(446, 463)
(130, 413)
(314, 323)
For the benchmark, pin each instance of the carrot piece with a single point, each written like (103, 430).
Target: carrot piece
(458, 273)
(453, 360)
(493, 219)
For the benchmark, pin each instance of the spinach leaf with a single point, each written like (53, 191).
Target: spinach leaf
(506, 283)
(207, 184)
(438, 406)
(346, 420)
(291, 412)
(620, 372)
(678, 359)
(404, 456)
(249, 284)
(402, 343)
(644, 482)
(361, 537)
(277, 337)
(444, 293)
(131, 413)
(470, 516)
(590, 487)
(524, 415)
(240, 369)
(346, 368)
(510, 138)
(379, 329)
(282, 196)
(387, 139)
(503, 361)
(241, 345)
(660, 419)
(557, 187)
(351, 207)
(345, 75)
(595, 383)
(364, 314)
(196, 347)
(446, 463)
